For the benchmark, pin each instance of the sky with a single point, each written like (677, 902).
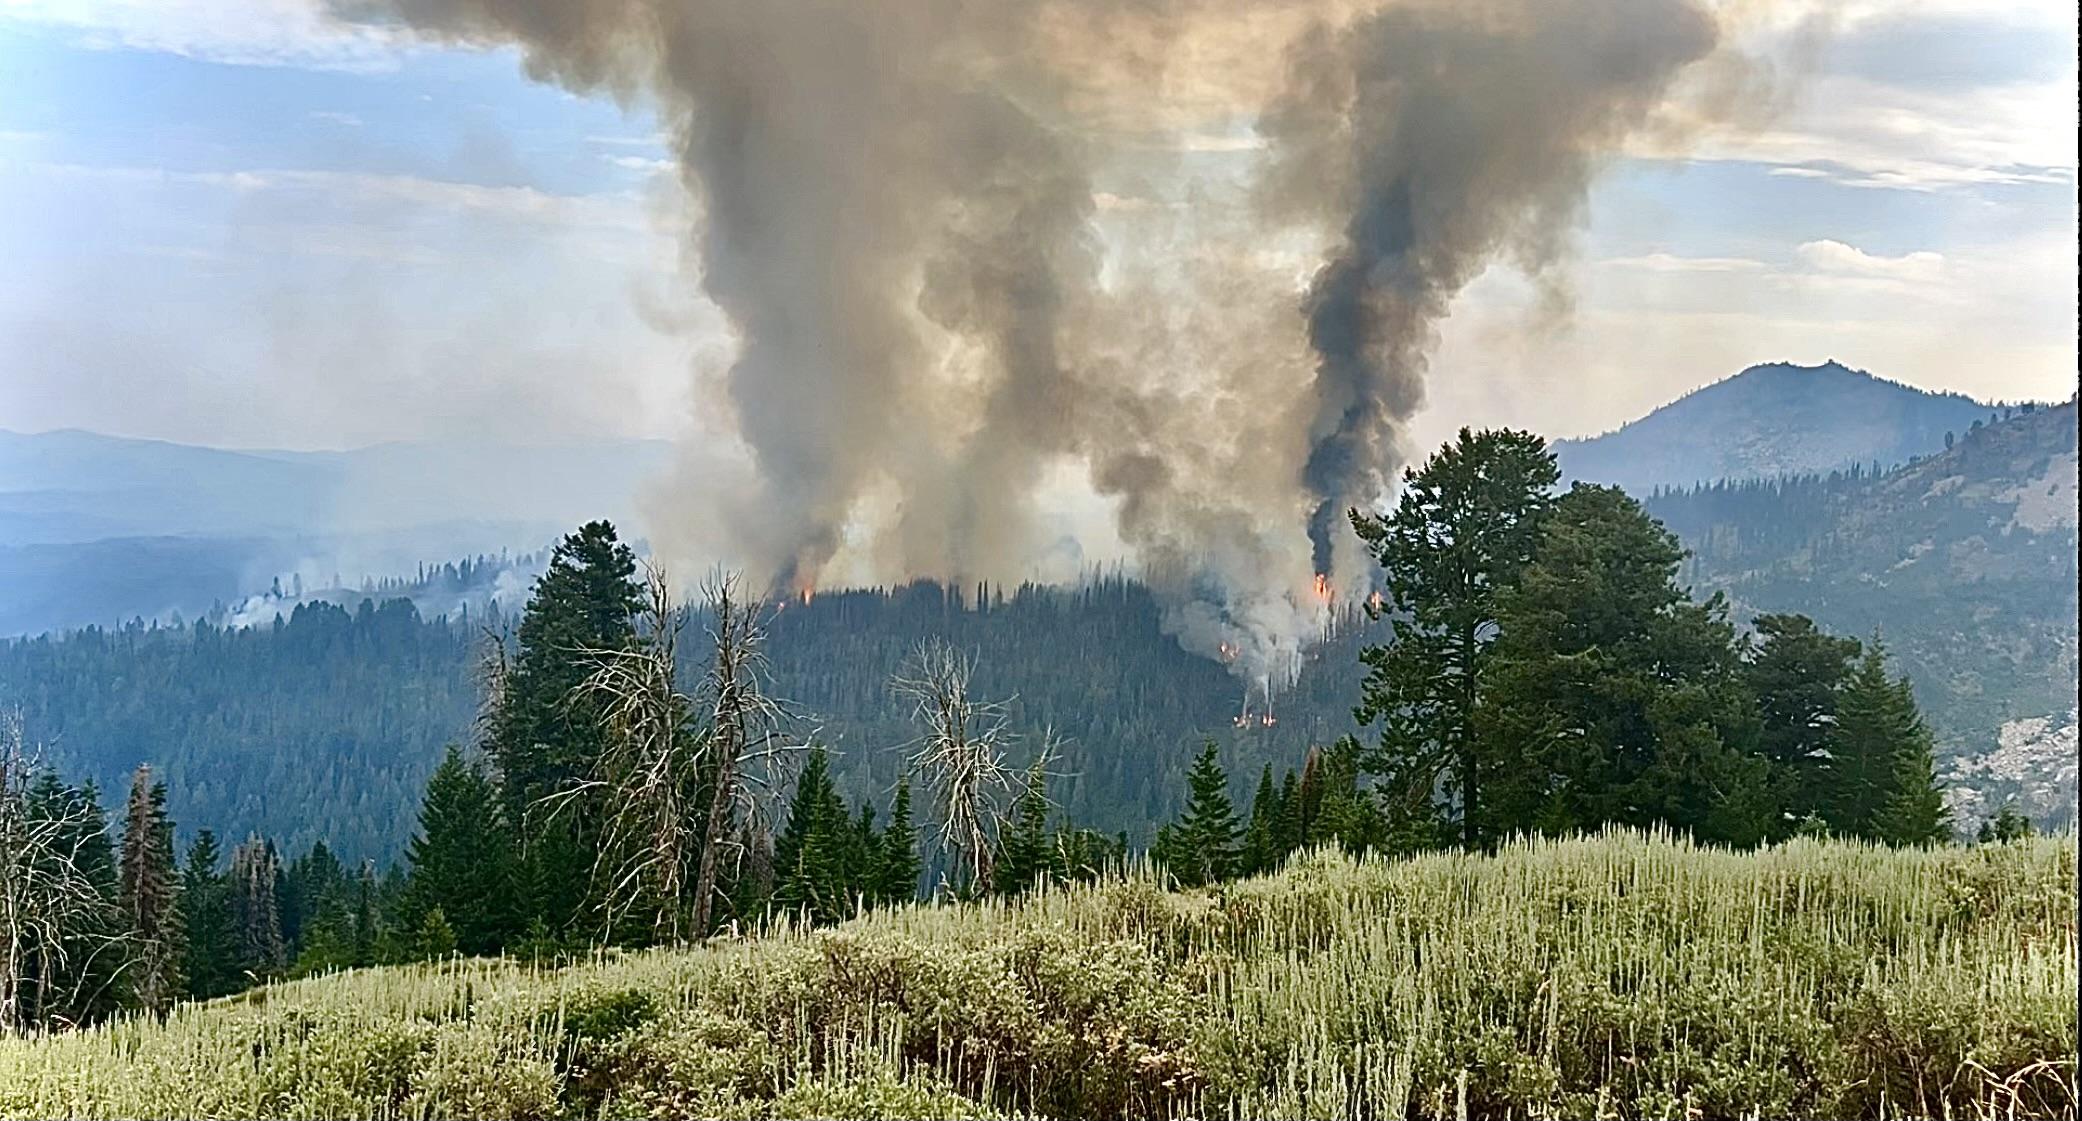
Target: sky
(247, 224)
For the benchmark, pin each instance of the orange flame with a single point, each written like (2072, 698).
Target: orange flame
(1323, 587)
(808, 594)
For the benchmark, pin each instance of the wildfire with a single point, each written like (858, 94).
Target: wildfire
(1229, 651)
(808, 593)
(1374, 602)
(1323, 587)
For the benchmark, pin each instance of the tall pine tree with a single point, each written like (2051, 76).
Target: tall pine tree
(1885, 786)
(896, 868)
(1200, 847)
(1466, 525)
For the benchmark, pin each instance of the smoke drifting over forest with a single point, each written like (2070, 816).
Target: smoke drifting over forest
(910, 215)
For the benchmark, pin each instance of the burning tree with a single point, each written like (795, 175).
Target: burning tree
(961, 755)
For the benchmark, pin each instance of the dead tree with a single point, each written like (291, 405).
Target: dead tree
(961, 755)
(649, 773)
(52, 914)
(678, 769)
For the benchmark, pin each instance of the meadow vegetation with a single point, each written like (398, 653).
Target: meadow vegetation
(1616, 975)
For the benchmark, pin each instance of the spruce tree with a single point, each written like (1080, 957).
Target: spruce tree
(546, 733)
(1466, 525)
(462, 859)
(1202, 843)
(149, 896)
(1023, 848)
(1889, 793)
(211, 961)
(896, 868)
(811, 853)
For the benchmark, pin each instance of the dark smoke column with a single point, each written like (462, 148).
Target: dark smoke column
(1436, 138)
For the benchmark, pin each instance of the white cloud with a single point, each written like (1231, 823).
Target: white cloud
(1836, 257)
(640, 163)
(331, 117)
(246, 32)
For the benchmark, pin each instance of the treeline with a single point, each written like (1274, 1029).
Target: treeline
(328, 725)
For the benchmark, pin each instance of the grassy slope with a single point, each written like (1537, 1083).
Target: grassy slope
(1617, 975)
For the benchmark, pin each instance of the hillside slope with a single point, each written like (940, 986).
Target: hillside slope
(1963, 563)
(1769, 420)
(1619, 975)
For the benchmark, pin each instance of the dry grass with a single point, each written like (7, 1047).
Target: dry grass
(1618, 975)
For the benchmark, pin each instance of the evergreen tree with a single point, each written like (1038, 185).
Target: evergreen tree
(810, 855)
(896, 869)
(546, 733)
(1465, 526)
(2008, 824)
(211, 961)
(256, 910)
(1796, 672)
(1887, 789)
(1622, 698)
(149, 896)
(435, 939)
(1201, 845)
(1023, 845)
(1261, 847)
(462, 857)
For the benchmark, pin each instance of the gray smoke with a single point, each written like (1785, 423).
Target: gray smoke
(1437, 138)
(900, 222)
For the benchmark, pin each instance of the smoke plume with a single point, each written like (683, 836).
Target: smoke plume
(961, 245)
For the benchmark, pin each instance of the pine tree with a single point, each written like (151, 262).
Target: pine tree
(896, 869)
(810, 855)
(1202, 843)
(149, 896)
(211, 962)
(2008, 824)
(1621, 698)
(435, 939)
(1466, 525)
(256, 911)
(461, 859)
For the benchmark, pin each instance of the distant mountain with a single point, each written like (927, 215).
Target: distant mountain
(1772, 420)
(95, 529)
(1963, 563)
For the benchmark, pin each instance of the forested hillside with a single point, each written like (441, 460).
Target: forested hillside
(1772, 420)
(327, 725)
(1962, 562)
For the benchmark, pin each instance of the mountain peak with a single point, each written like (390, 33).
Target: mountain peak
(1773, 418)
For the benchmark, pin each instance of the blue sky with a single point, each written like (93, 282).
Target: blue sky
(247, 224)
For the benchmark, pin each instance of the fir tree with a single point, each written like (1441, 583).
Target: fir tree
(149, 896)
(1891, 790)
(211, 961)
(896, 868)
(462, 857)
(1023, 845)
(1620, 697)
(2008, 824)
(1261, 847)
(1796, 671)
(810, 855)
(1201, 845)
(546, 734)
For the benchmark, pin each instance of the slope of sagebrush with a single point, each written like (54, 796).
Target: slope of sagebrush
(1622, 975)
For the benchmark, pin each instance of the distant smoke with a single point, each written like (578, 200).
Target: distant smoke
(901, 223)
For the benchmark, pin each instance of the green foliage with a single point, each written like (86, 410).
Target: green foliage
(1796, 671)
(1467, 523)
(1201, 846)
(1884, 788)
(2008, 824)
(149, 897)
(1621, 698)
(546, 734)
(211, 962)
(1622, 975)
(462, 857)
(896, 867)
